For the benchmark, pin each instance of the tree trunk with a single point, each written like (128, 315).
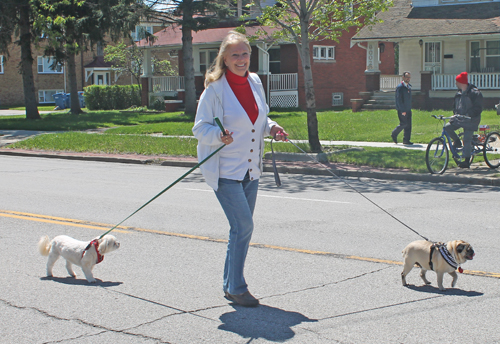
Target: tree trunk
(187, 58)
(312, 119)
(73, 86)
(30, 100)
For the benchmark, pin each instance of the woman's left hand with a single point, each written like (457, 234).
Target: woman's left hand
(278, 133)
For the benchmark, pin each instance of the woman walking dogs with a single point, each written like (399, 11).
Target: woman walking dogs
(237, 98)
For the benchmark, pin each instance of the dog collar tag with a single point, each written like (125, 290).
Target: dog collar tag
(460, 269)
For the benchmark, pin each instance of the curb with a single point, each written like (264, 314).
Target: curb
(281, 167)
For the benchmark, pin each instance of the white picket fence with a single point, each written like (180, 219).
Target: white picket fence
(283, 82)
(389, 82)
(483, 81)
(277, 82)
(167, 83)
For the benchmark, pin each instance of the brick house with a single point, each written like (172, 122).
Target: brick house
(338, 69)
(90, 69)
(437, 40)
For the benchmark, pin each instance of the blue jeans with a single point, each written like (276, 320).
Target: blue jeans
(237, 199)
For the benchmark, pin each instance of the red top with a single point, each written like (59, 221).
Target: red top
(243, 92)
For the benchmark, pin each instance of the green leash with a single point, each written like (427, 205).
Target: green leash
(178, 180)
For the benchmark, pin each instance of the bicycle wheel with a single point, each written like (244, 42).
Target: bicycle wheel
(491, 150)
(437, 156)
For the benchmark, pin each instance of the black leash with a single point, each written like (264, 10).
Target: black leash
(346, 183)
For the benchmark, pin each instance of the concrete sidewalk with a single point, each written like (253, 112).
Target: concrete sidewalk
(478, 174)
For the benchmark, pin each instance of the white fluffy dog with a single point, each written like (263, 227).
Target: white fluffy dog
(84, 254)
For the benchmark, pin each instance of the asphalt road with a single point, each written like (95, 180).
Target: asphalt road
(324, 261)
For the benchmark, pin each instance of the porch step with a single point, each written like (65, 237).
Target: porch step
(378, 106)
(381, 100)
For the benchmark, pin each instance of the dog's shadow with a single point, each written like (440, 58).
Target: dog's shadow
(76, 281)
(265, 322)
(449, 291)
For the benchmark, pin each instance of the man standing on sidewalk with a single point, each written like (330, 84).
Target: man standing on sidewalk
(403, 105)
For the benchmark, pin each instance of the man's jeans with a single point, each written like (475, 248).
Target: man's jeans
(405, 123)
(450, 129)
(237, 199)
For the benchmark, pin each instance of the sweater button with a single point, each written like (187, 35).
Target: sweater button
(251, 150)
(249, 160)
(250, 170)
(253, 140)
(251, 178)
(253, 130)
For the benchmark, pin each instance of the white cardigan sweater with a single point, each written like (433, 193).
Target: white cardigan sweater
(245, 153)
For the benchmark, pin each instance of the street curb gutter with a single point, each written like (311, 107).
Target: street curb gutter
(309, 170)
(449, 179)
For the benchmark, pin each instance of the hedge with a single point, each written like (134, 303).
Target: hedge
(114, 97)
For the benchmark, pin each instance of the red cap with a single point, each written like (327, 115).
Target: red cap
(462, 78)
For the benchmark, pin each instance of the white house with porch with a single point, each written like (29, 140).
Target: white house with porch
(437, 40)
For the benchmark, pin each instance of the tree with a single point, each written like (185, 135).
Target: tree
(128, 59)
(71, 26)
(304, 21)
(192, 15)
(16, 17)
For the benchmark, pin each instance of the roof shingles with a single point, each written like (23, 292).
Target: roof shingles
(404, 21)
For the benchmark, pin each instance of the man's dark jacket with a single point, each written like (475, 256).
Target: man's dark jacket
(468, 103)
(403, 98)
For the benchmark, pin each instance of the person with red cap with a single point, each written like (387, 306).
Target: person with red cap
(467, 108)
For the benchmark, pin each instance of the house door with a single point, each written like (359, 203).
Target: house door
(101, 78)
(432, 57)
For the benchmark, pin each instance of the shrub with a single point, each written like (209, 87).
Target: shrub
(116, 97)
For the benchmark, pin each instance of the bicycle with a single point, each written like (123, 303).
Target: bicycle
(437, 153)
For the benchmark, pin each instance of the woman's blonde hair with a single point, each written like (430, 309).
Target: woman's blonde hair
(218, 68)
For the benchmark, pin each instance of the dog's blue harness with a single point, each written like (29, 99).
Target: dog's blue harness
(444, 253)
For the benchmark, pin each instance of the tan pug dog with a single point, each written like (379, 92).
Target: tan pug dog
(419, 253)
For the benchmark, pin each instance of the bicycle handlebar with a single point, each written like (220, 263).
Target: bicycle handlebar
(441, 117)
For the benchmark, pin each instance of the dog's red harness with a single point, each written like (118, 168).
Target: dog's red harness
(95, 243)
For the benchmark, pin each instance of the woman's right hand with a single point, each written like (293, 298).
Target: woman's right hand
(228, 138)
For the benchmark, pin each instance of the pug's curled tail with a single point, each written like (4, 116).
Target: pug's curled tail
(44, 246)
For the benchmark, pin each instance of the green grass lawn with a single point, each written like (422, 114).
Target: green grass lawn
(128, 133)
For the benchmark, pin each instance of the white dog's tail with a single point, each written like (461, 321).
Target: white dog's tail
(44, 246)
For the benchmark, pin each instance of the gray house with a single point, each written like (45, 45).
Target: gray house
(437, 40)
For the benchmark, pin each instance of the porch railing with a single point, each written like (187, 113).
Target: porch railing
(389, 82)
(483, 81)
(167, 83)
(283, 82)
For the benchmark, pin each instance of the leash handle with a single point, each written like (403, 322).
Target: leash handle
(217, 120)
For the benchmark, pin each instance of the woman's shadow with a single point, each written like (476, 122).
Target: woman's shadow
(266, 322)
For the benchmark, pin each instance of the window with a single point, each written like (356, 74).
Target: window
(493, 56)
(432, 57)
(207, 57)
(274, 61)
(140, 32)
(323, 53)
(475, 57)
(1, 64)
(45, 66)
(45, 96)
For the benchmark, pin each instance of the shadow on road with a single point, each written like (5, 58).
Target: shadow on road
(74, 281)
(448, 291)
(265, 322)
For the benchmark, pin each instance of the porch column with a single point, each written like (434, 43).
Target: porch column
(372, 73)
(425, 88)
(146, 76)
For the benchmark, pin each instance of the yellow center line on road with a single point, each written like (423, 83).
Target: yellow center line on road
(104, 227)
(58, 220)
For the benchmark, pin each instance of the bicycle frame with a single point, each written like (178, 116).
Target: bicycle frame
(447, 139)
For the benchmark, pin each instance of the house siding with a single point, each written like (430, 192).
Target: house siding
(11, 84)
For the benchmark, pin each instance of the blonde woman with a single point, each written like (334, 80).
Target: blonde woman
(237, 98)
